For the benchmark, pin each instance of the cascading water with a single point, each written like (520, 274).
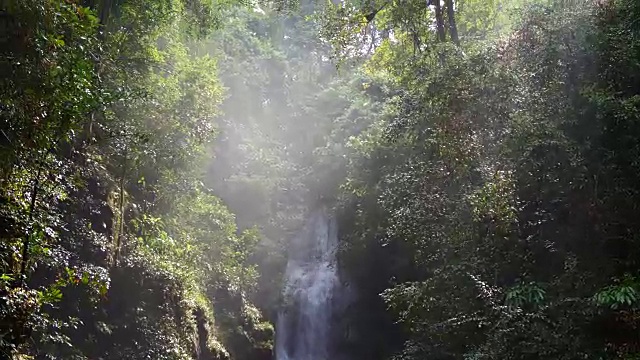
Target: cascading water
(311, 285)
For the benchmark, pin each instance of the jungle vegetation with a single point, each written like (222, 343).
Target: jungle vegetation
(482, 158)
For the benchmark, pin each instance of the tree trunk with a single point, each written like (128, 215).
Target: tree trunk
(439, 21)
(453, 29)
(121, 227)
(104, 12)
(26, 243)
(103, 9)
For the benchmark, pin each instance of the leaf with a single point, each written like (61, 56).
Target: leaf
(6, 278)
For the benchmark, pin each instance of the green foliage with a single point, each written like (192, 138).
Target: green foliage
(481, 156)
(523, 294)
(492, 190)
(623, 293)
(110, 244)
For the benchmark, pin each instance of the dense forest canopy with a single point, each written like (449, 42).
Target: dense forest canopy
(480, 157)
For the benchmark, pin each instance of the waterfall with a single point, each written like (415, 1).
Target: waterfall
(311, 284)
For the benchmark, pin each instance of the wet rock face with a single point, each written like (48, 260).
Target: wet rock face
(312, 286)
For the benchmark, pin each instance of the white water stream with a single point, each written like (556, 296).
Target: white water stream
(311, 281)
